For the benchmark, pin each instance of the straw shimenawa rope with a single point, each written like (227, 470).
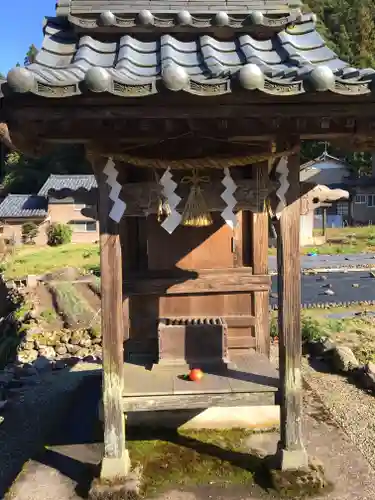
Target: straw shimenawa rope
(196, 213)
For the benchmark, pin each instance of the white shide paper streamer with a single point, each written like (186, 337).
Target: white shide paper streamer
(230, 187)
(119, 206)
(282, 170)
(169, 187)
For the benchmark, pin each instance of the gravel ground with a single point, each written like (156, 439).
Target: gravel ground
(351, 408)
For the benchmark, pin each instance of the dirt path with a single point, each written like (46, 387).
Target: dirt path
(48, 307)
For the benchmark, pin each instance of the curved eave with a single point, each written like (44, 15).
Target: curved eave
(187, 20)
(287, 63)
(214, 87)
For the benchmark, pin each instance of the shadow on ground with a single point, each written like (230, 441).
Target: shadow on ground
(73, 448)
(42, 411)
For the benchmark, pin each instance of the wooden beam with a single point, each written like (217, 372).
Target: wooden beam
(116, 462)
(259, 251)
(200, 282)
(143, 196)
(292, 451)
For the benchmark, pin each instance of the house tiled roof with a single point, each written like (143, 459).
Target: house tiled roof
(98, 46)
(56, 183)
(23, 205)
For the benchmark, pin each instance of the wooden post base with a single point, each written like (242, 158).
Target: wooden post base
(292, 459)
(301, 483)
(126, 487)
(114, 468)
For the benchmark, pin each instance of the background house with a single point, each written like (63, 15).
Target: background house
(363, 198)
(16, 209)
(44, 209)
(334, 173)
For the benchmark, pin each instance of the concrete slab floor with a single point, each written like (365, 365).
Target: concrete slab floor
(63, 471)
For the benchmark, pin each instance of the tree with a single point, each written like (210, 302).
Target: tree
(25, 175)
(29, 232)
(31, 55)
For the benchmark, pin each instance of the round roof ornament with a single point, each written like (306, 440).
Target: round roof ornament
(175, 77)
(251, 77)
(221, 19)
(256, 17)
(145, 17)
(322, 78)
(107, 18)
(184, 18)
(21, 79)
(97, 79)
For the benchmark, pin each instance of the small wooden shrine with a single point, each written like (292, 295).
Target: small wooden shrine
(192, 114)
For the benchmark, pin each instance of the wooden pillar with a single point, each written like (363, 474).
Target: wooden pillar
(291, 449)
(324, 221)
(259, 250)
(116, 462)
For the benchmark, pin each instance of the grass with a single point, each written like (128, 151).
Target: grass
(192, 458)
(74, 309)
(39, 260)
(347, 240)
(356, 332)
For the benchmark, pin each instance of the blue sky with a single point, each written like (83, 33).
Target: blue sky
(21, 23)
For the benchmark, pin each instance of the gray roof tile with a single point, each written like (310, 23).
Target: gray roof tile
(20, 205)
(68, 182)
(134, 67)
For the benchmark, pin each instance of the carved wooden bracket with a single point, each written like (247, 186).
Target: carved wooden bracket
(319, 194)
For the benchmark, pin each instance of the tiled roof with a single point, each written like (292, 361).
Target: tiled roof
(23, 205)
(68, 182)
(290, 60)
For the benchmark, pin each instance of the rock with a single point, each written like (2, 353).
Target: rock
(329, 291)
(1, 419)
(366, 376)
(343, 359)
(33, 313)
(321, 347)
(96, 340)
(28, 346)
(85, 342)
(40, 342)
(52, 339)
(47, 352)
(82, 352)
(27, 356)
(76, 338)
(34, 330)
(65, 338)
(302, 483)
(61, 349)
(72, 348)
(42, 363)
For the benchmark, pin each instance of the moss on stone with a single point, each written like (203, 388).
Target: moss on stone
(298, 484)
(192, 458)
